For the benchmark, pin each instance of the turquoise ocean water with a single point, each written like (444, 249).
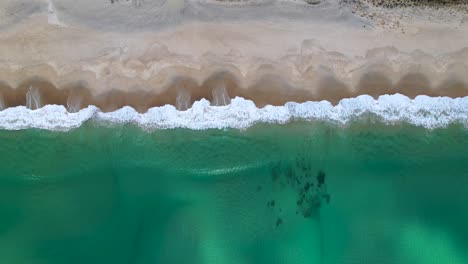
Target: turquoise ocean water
(302, 192)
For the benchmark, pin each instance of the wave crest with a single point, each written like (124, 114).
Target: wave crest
(429, 112)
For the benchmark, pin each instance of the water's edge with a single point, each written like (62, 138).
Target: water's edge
(425, 111)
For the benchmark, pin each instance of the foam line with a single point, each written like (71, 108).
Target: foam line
(425, 111)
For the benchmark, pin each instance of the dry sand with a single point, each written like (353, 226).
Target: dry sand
(145, 53)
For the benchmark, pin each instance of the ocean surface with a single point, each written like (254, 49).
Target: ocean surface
(301, 191)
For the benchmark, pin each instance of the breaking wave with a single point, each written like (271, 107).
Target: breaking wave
(425, 111)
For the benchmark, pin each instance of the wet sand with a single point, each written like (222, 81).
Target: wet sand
(151, 53)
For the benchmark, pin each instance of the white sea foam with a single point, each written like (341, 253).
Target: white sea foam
(429, 112)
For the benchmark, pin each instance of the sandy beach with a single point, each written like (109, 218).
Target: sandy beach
(146, 53)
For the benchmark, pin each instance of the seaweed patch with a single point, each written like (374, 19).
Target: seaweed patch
(309, 185)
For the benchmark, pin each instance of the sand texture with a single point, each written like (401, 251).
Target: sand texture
(147, 53)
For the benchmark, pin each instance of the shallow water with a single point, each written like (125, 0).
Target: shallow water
(119, 194)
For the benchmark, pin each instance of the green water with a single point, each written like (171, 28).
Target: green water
(398, 194)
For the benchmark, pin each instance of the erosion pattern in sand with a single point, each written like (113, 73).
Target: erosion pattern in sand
(145, 53)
